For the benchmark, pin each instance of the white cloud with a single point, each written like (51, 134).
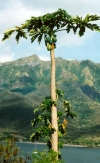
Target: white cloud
(6, 53)
(44, 58)
(74, 7)
(69, 40)
(15, 12)
(12, 13)
(6, 57)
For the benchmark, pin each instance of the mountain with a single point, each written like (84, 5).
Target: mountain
(25, 82)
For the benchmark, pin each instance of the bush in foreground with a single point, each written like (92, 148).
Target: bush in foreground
(45, 157)
(9, 153)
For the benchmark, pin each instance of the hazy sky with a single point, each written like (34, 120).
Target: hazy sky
(69, 46)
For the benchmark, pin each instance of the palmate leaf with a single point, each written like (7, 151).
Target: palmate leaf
(71, 114)
(36, 135)
(20, 33)
(60, 144)
(41, 131)
(10, 30)
(59, 93)
(8, 33)
(62, 126)
(37, 120)
(66, 105)
(62, 129)
(59, 114)
(81, 31)
(35, 36)
(36, 110)
(89, 18)
(82, 24)
(40, 38)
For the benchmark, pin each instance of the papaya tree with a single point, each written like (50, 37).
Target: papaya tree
(47, 26)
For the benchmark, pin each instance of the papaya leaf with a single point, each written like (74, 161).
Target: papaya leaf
(17, 37)
(60, 134)
(59, 114)
(81, 31)
(24, 35)
(59, 93)
(34, 122)
(62, 129)
(7, 34)
(36, 110)
(10, 30)
(66, 104)
(71, 114)
(20, 33)
(60, 144)
(34, 37)
(65, 122)
(32, 31)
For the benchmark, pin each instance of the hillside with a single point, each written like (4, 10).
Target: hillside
(25, 82)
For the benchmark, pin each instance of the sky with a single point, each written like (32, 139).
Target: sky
(69, 46)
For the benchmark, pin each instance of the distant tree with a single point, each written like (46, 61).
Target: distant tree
(46, 26)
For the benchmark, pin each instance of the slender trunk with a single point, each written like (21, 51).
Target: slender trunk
(54, 139)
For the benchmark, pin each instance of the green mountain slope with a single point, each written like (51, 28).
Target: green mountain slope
(25, 82)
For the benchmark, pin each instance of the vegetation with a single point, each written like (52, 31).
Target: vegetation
(9, 153)
(43, 117)
(48, 25)
(17, 108)
(45, 157)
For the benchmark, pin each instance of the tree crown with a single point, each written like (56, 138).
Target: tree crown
(51, 23)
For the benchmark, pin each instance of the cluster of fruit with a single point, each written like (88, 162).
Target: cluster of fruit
(51, 42)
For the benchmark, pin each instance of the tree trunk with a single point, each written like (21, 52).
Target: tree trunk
(54, 139)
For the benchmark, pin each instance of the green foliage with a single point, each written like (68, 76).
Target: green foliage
(9, 153)
(46, 157)
(20, 33)
(43, 117)
(37, 27)
(81, 96)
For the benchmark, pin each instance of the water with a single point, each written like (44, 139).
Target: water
(69, 154)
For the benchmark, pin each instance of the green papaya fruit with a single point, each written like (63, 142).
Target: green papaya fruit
(48, 39)
(54, 39)
(50, 42)
(54, 35)
(49, 47)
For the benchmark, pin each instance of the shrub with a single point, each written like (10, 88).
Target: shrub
(45, 157)
(9, 153)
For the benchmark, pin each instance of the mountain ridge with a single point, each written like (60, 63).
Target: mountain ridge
(28, 79)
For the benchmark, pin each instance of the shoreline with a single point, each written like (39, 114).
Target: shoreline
(67, 145)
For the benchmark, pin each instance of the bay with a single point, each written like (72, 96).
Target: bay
(70, 154)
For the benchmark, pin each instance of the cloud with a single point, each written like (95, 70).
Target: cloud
(76, 7)
(6, 54)
(72, 39)
(15, 12)
(44, 58)
(6, 57)
(12, 13)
